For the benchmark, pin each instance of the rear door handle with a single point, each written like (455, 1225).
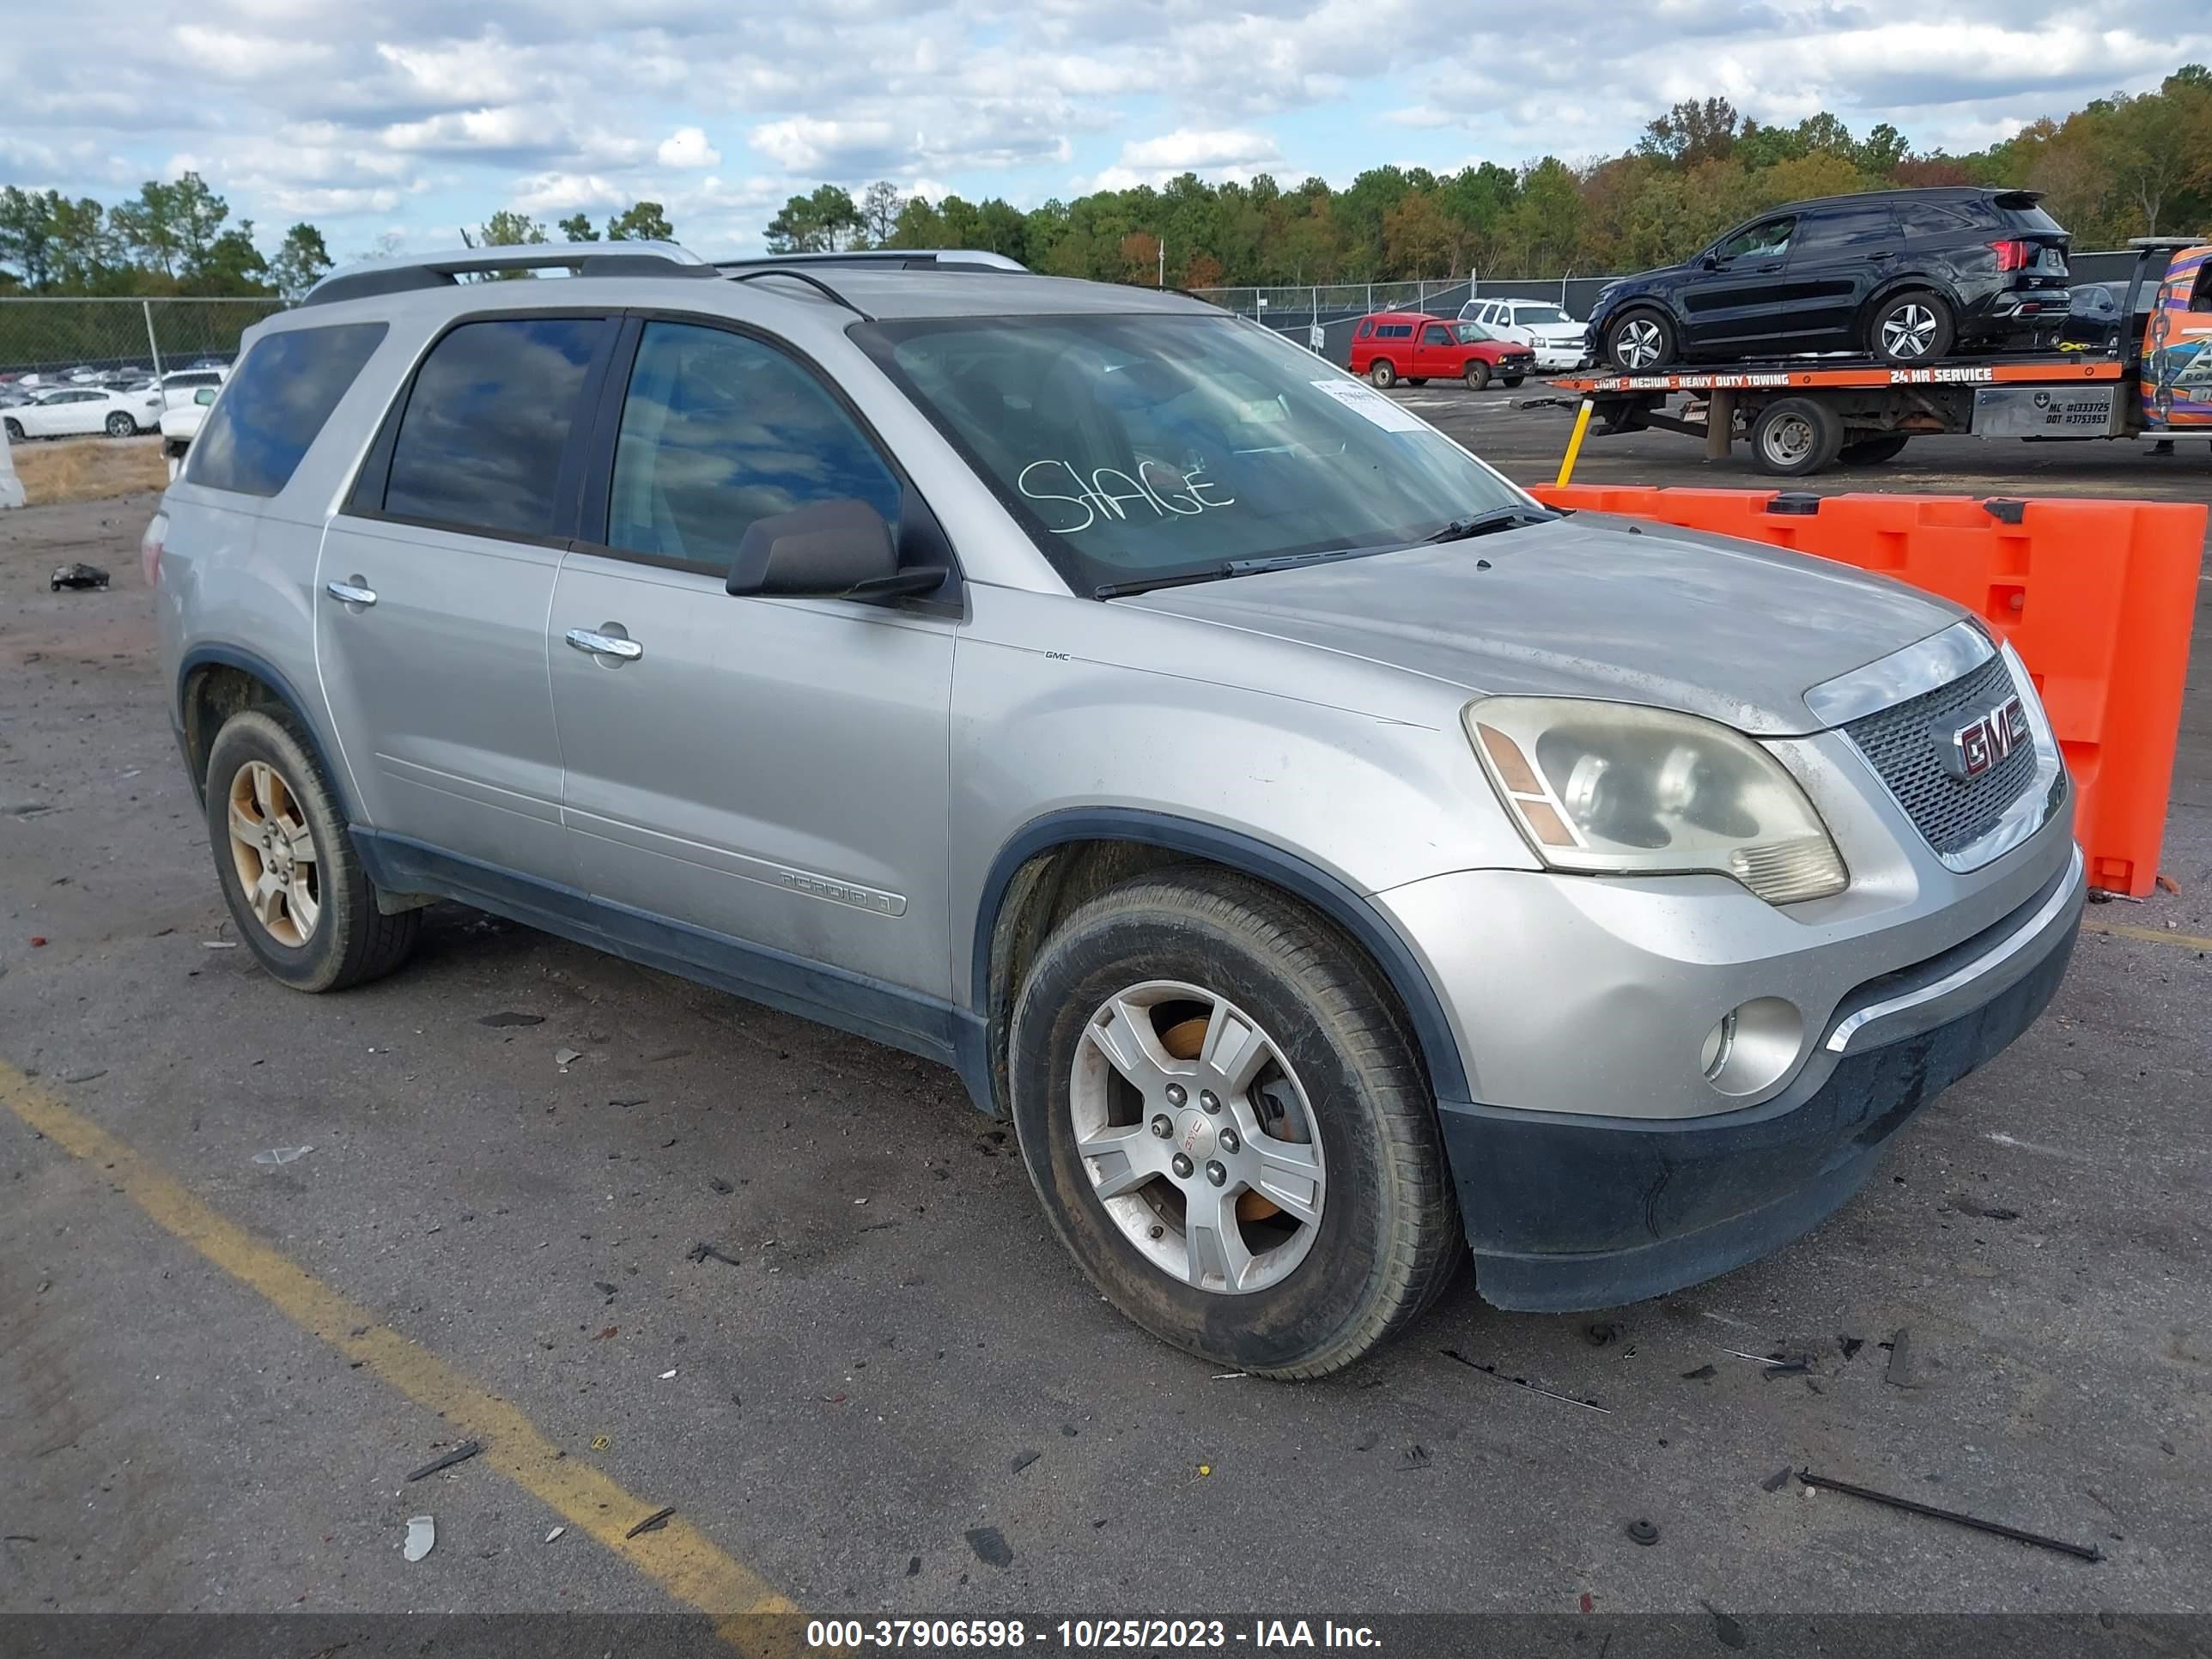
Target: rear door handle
(598, 644)
(351, 592)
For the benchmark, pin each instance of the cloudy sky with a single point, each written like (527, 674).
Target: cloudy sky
(413, 116)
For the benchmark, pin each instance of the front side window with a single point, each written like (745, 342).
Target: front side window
(480, 442)
(719, 430)
(275, 405)
(1436, 334)
(1763, 240)
(1134, 448)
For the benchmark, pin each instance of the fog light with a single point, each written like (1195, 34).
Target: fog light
(1752, 1047)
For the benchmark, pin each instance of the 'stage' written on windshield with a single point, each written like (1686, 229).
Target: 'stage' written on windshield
(1169, 492)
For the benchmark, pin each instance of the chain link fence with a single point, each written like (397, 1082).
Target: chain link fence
(51, 339)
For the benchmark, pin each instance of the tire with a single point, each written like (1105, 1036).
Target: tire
(120, 425)
(1417, 380)
(1384, 1236)
(1381, 374)
(1912, 326)
(15, 431)
(345, 939)
(1873, 452)
(1478, 375)
(1639, 340)
(1795, 436)
(1512, 380)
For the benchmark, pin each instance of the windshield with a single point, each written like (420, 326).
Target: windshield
(1525, 315)
(1136, 447)
(1472, 333)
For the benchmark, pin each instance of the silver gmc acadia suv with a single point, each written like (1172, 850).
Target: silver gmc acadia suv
(1332, 861)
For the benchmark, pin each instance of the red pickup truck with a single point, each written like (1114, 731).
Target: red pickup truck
(1412, 346)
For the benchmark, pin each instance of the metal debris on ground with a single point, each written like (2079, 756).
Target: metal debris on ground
(600, 1442)
(1023, 1458)
(1776, 1481)
(2086, 1552)
(702, 1251)
(652, 1522)
(281, 1154)
(565, 1058)
(555, 1533)
(1228, 1376)
(83, 578)
(1416, 1457)
(990, 1546)
(667, 1374)
(1641, 1532)
(1796, 1365)
(205, 944)
(460, 1454)
(84, 1076)
(1522, 1382)
(1904, 1369)
(422, 1536)
(1850, 1346)
(1704, 1373)
(721, 1185)
(501, 1021)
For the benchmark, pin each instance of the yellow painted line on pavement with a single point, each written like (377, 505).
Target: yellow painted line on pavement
(2153, 935)
(678, 1557)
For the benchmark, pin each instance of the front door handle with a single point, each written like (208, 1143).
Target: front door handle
(352, 590)
(599, 644)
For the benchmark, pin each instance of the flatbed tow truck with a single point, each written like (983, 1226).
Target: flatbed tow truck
(1801, 415)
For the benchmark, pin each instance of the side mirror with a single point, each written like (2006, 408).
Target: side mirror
(204, 396)
(839, 549)
(1712, 262)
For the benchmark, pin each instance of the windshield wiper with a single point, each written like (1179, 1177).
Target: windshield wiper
(1502, 518)
(1235, 567)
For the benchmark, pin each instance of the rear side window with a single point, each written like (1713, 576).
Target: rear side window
(719, 430)
(480, 444)
(275, 405)
(1366, 327)
(1846, 230)
(1934, 218)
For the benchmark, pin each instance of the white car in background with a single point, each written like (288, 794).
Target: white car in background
(81, 411)
(181, 424)
(178, 388)
(1558, 340)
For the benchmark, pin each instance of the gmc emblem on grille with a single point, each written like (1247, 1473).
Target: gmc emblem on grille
(1976, 747)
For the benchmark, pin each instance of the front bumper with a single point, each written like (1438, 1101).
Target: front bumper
(1566, 1211)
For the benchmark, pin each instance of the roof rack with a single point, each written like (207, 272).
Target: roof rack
(444, 269)
(2174, 244)
(757, 273)
(886, 258)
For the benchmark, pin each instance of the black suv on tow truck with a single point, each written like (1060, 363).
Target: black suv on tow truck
(1906, 275)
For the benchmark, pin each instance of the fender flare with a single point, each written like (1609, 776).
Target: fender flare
(247, 662)
(1333, 898)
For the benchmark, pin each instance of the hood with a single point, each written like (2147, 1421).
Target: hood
(1585, 606)
(1565, 333)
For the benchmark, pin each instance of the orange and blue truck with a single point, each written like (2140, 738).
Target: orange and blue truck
(1802, 415)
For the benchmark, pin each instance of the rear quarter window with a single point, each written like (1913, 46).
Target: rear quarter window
(275, 405)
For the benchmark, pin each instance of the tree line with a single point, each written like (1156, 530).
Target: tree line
(2119, 166)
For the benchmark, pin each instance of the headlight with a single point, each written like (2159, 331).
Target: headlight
(1607, 788)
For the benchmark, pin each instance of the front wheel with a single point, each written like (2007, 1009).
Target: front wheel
(15, 431)
(294, 885)
(1478, 375)
(1223, 1114)
(1381, 375)
(120, 425)
(1639, 340)
(1912, 327)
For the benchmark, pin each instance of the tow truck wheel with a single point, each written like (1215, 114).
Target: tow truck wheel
(1915, 327)
(1795, 436)
(1477, 375)
(1639, 340)
(1383, 374)
(1872, 452)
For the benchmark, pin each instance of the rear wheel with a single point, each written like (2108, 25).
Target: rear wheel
(15, 431)
(1795, 436)
(294, 885)
(120, 425)
(1639, 340)
(1381, 373)
(1873, 452)
(1912, 327)
(1477, 375)
(1225, 1121)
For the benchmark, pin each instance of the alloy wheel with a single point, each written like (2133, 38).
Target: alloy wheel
(273, 850)
(1909, 331)
(1637, 345)
(1198, 1138)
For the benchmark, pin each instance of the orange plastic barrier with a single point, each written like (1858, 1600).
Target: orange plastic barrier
(2096, 596)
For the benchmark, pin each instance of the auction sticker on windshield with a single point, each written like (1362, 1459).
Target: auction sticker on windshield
(1358, 396)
